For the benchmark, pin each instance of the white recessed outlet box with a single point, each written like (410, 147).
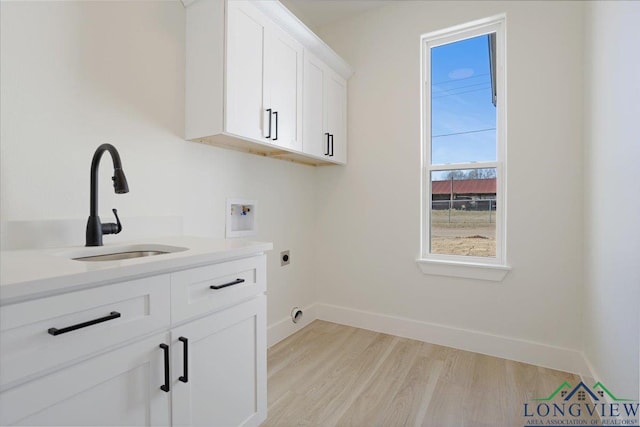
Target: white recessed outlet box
(285, 258)
(241, 218)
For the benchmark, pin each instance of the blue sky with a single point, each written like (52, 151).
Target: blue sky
(461, 102)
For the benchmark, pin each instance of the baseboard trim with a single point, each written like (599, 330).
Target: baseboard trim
(281, 329)
(534, 353)
(589, 376)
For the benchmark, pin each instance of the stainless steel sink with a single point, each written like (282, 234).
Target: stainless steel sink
(120, 255)
(120, 252)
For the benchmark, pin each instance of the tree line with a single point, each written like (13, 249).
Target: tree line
(470, 174)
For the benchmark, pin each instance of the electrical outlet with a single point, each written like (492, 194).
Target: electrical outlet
(285, 258)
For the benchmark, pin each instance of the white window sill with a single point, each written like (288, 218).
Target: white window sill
(489, 272)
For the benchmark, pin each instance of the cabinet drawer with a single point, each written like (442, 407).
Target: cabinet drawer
(84, 322)
(192, 294)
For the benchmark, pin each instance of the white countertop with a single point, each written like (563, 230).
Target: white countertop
(26, 274)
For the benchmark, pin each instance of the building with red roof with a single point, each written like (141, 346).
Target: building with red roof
(464, 193)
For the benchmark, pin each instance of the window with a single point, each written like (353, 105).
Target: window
(463, 146)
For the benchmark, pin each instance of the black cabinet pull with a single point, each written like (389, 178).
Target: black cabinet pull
(56, 331)
(235, 282)
(276, 114)
(185, 362)
(331, 136)
(327, 134)
(165, 386)
(269, 111)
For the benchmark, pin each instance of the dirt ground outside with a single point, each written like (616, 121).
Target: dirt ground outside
(459, 232)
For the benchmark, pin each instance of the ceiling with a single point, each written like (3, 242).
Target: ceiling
(318, 13)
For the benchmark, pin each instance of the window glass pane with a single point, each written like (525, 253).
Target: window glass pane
(463, 114)
(463, 212)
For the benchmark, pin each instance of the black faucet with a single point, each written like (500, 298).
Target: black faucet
(95, 229)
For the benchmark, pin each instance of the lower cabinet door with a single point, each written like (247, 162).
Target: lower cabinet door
(222, 381)
(117, 388)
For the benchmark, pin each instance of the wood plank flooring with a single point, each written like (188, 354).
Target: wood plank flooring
(334, 375)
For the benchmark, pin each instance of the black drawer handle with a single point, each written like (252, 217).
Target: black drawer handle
(275, 113)
(235, 282)
(331, 136)
(165, 386)
(56, 331)
(328, 151)
(269, 112)
(185, 363)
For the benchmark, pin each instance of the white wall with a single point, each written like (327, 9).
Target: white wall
(79, 74)
(612, 266)
(368, 213)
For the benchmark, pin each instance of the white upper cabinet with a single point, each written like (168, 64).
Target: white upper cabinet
(336, 114)
(325, 112)
(264, 79)
(246, 40)
(316, 139)
(283, 89)
(245, 82)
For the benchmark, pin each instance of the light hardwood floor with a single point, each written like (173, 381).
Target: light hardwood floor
(334, 375)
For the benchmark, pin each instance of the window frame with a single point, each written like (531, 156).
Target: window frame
(462, 265)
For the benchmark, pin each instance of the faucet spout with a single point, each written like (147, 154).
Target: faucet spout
(95, 229)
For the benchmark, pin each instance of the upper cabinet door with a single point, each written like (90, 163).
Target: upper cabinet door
(315, 136)
(283, 88)
(245, 71)
(336, 116)
(325, 112)
(264, 79)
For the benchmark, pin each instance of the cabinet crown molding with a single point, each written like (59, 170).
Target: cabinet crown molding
(290, 23)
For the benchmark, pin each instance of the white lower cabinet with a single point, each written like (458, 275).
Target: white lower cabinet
(205, 368)
(118, 388)
(107, 316)
(219, 368)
